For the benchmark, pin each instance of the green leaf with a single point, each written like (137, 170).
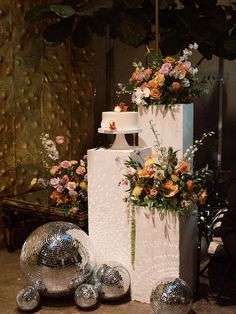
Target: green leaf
(56, 33)
(63, 11)
(93, 6)
(43, 11)
(37, 13)
(129, 28)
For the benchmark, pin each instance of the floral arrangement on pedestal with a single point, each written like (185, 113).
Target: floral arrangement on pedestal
(65, 180)
(165, 81)
(163, 182)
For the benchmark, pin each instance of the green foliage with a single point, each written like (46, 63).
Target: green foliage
(132, 22)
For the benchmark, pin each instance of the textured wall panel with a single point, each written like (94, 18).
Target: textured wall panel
(42, 90)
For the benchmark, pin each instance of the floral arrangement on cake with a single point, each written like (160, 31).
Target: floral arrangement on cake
(165, 81)
(164, 182)
(111, 125)
(65, 180)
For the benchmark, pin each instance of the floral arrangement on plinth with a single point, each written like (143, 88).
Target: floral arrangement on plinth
(165, 81)
(65, 180)
(165, 182)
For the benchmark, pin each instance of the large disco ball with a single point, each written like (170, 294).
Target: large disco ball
(56, 258)
(112, 280)
(171, 296)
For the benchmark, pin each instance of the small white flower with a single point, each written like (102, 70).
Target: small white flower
(185, 82)
(117, 109)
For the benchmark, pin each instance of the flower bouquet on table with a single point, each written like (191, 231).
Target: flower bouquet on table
(165, 182)
(165, 81)
(65, 180)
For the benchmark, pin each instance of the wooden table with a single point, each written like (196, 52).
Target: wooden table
(25, 212)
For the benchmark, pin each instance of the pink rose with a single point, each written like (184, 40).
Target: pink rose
(66, 164)
(59, 139)
(165, 68)
(60, 189)
(54, 182)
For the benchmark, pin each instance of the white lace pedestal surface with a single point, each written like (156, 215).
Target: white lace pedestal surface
(175, 127)
(165, 245)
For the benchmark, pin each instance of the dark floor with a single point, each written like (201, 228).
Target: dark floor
(12, 280)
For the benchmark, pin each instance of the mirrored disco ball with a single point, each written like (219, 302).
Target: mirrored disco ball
(56, 256)
(27, 299)
(112, 280)
(86, 296)
(171, 296)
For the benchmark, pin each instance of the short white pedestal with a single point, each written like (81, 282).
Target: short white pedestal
(165, 245)
(175, 127)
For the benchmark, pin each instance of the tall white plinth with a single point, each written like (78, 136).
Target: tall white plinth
(175, 126)
(165, 245)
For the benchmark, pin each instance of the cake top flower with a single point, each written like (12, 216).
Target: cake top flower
(121, 107)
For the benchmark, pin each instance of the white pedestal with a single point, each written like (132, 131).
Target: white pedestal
(175, 127)
(165, 245)
(109, 228)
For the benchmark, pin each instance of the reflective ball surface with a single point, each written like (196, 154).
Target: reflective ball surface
(86, 296)
(55, 256)
(27, 299)
(171, 296)
(112, 280)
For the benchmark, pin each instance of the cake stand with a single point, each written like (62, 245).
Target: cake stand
(120, 142)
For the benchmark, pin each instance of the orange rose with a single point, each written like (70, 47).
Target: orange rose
(202, 195)
(170, 188)
(155, 93)
(183, 168)
(168, 60)
(190, 185)
(152, 84)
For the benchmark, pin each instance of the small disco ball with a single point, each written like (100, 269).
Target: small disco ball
(111, 280)
(86, 296)
(57, 256)
(171, 296)
(27, 299)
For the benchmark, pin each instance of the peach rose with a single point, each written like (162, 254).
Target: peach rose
(156, 93)
(183, 167)
(175, 86)
(170, 188)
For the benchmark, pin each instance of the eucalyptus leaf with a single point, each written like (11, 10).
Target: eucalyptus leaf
(93, 6)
